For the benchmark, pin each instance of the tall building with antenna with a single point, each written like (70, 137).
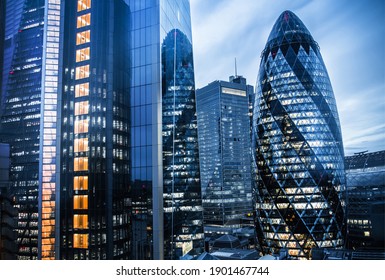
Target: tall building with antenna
(225, 153)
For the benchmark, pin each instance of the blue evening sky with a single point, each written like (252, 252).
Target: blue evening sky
(351, 35)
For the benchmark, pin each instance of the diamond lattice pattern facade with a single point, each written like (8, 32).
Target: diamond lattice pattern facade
(298, 148)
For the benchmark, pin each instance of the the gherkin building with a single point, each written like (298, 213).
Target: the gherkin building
(300, 182)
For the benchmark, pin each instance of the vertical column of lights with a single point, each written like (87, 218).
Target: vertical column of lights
(82, 72)
(49, 109)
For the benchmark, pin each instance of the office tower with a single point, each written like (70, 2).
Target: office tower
(164, 148)
(225, 153)
(300, 186)
(93, 208)
(8, 212)
(365, 184)
(29, 78)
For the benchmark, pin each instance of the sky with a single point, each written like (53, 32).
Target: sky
(351, 36)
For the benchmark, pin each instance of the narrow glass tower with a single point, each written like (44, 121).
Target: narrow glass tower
(298, 150)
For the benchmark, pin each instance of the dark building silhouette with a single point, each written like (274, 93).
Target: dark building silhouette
(298, 151)
(365, 182)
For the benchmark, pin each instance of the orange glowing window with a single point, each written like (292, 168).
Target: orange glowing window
(84, 20)
(83, 54)
(81, 164)
(82, 72)
(81, 241)
(84, 5)
(81, 145)
(81, 108)
(82, 90)
(80, 201)
(80, 183)
(81, 126)
(83, 37)
(81, 221)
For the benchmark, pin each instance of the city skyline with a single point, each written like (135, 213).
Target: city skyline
(225, 29)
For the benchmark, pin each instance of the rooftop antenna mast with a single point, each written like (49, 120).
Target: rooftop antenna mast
(236, 74)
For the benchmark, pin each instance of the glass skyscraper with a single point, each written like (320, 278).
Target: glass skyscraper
(30, 86)
(99, 109)
(298, 150)
(224, 153)
(165, 182)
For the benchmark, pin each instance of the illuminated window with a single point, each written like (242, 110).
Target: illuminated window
(83, 54)
(81, 241)
(82, 72)
(80, 183)
(81, 145)
(84, 5)
(83, 37)
(82, 90)
(84, 20)
(80, 201)
(81, 126)
(81, 221)
(81, 164)
(81, 108)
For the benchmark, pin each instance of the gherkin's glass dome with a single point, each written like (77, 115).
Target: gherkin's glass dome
(298, 151)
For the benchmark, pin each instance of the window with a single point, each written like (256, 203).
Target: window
(82, 90)
(80, 201)
(81, 108)
(81, 164)
(84, 5)
(81, 241)
(80, 183)
(81, 126)
(81, 221)
(81, 145)
(82, 72)
(83, 54)
(84, 20)
(83, 37)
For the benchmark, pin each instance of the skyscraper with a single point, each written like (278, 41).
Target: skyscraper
(225, 153)
(30, 87)
(164, 148)
(99, 109)
(93, 206)
(299, 157)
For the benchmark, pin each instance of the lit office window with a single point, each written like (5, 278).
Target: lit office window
(82, 72)
(83, 54)
(81, 145)
(81, 241)
(81, 126)
(83, 37)
(81, 108)
(81, 164)
(84, 20)
(84, 5)
(82, 90)
(80, 201)
(80, 221)
(80, 183)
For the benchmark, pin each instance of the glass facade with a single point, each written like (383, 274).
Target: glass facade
(298, 150)
(94, 205)
(365, 183)
(165, 169)
(21, 113)
(224, 152)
